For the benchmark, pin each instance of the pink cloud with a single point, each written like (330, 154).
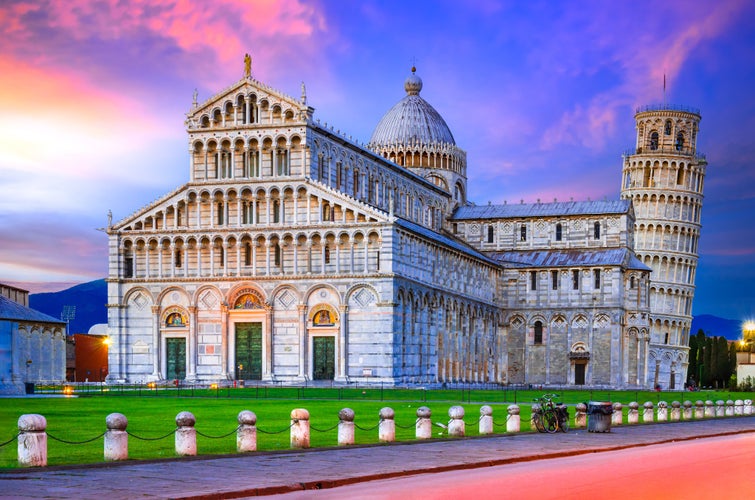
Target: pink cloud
(31, 256)
(211, 39)
(640, 57)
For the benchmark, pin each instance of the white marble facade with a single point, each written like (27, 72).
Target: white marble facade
(295, 253)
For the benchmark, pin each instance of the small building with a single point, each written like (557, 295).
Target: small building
(32, 344)
(90, 355)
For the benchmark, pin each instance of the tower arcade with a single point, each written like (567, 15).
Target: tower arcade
(663, 176)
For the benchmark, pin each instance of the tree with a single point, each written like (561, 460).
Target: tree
(722, 362)
(733, 361)
(709, 367)
(692, 371)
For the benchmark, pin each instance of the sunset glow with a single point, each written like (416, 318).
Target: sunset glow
(541, 95)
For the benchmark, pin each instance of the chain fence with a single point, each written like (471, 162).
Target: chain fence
(60, 440)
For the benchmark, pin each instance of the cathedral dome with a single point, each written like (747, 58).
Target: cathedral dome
(412, 120)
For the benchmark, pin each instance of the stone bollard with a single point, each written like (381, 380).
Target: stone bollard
(662, 411)
(513, 423)
(534, 410)
(246, 434)
(687, 411)
(486, 420)
(720, 408)
(729, 411)
(739, 407)
(186, 434)
(456, 425)
(699, 409)
(633, 415)
(299, 428)
(387, 426)
(32, 440)
(710, 409)
(424, 426)
(676, 411)
(580, 415)
(747, 409)
(346, 427)
(116, 437)
(617, 417)
(647, 414)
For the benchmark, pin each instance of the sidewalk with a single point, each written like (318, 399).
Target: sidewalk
(234, 476)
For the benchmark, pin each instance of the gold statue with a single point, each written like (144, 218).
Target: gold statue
(247, 66)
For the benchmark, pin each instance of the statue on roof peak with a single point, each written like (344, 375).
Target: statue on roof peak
(247, 65)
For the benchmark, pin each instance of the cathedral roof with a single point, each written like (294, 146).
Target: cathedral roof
(444, 240)
(412, 120)
(10, 310)
(542, 209)
(570, 258)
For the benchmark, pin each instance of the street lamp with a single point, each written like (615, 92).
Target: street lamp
(748, 333)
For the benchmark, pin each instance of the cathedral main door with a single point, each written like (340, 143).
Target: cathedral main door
(323, 357)
(248, 351)
(175, 350)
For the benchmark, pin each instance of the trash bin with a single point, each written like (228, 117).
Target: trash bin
(599, 416)
(29, 387)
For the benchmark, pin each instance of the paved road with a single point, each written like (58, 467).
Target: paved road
(724, 465)
(276, 472)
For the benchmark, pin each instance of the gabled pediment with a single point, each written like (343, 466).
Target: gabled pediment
(263, 104)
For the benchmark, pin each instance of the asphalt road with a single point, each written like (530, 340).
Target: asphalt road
(719, 467)
(329, 469)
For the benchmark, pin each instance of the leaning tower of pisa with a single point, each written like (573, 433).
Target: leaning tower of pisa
(663, 176)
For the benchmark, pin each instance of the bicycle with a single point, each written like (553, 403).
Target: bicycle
(549, 416)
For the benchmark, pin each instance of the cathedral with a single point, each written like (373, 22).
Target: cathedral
(295, 253)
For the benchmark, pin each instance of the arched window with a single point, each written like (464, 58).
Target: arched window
(667, 128)
(679, 141)
(596, 231)
(653, 141)
(326, 253)
(631, 282)
(248, 254)
(558, 232)
(277, 261)
(276, 211)
(538, 332)
(680, 175)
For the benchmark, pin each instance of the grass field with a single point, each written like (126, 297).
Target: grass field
(151, 415)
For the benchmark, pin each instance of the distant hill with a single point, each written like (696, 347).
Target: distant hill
(713, 326)
(90, 300)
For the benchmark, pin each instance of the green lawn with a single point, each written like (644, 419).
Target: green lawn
(151, 414)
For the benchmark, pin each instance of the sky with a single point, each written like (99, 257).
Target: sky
(541, 95)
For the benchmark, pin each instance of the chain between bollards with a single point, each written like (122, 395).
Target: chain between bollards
(74, 442)
(150, 439)
(294, 422)
(218, 437)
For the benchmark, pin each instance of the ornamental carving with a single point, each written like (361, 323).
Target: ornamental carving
(175, 317)
(323, 315)
(248, 298)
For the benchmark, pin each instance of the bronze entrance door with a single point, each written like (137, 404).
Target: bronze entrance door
(579, 373)
(324, 358)
(175, 350)
(248, 351)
